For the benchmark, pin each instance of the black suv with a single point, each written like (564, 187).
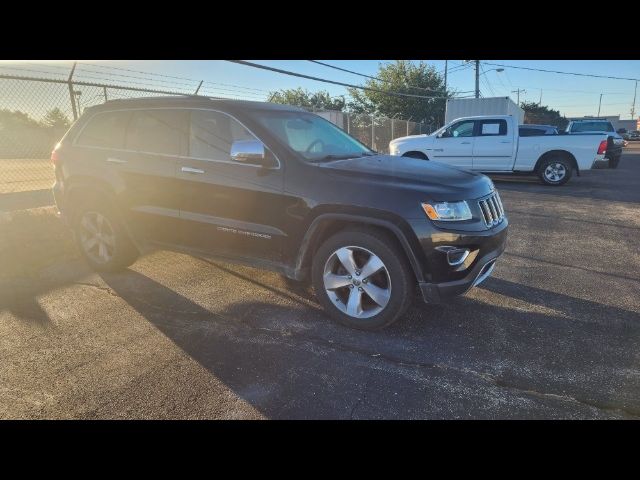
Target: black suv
(278, 188)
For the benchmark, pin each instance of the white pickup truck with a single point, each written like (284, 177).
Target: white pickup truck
(492, 144)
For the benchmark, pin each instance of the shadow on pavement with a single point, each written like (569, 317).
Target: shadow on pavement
(294, 363)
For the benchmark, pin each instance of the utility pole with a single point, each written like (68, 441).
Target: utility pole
(599, 105)
(523, 91)
(633, 107)
(477, 78)
(540, 102)
(446, 68)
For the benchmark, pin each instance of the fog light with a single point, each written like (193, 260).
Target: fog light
(455, 256)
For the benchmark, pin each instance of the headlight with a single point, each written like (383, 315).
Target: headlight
(447, 211)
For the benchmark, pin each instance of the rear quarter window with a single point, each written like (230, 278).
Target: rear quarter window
(106, 130)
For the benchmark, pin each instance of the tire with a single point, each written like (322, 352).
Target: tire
(392, 285)
(419, 155)
(613, 162)
(555, 170)
(102, 239)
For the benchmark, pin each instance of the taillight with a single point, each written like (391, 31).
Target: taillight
(55, 156)
(602, 148)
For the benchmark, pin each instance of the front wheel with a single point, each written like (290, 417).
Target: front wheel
(555, 170)
(362, 279)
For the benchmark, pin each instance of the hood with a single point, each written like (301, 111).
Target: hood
(408, 138)
(441, 182)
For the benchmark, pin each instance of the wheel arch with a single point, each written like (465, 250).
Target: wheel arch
(563, 153)
(415, 154)
(327, 224)
(86, 189)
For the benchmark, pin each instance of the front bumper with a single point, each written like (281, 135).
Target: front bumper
(446, 281)
(437, 292)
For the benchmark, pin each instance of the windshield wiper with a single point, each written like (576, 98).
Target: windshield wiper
(334, 157)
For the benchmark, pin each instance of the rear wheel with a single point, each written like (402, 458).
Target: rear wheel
(103, 241)
(362, 279)
(555, 170)
(613, 162)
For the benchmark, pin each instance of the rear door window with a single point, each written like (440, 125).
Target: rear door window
(491, 128)
(105, 130)
(158, 131)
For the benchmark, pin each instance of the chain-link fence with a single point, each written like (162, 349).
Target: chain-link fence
(374, 131)
(36, 112)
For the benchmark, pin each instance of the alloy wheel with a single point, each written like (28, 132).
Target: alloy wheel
(357, 282)
(555, 172)
(97, 237)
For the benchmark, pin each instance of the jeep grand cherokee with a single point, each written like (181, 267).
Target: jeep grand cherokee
(279, 188)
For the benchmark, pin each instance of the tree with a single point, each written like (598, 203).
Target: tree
(403, 76)
(56, 119)
(15, 119)
(542, 114)
(306, 99)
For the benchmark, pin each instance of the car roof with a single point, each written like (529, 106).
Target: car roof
(192, 101)
(592, 120)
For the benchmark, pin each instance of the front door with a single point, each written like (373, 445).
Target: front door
(228, 207)
(454, 146)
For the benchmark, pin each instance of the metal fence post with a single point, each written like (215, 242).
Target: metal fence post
(105, 94)
(348, 123)
(71, 94)
(392, 137)
(373, 133)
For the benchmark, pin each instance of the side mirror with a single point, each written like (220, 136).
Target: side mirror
(251, 151)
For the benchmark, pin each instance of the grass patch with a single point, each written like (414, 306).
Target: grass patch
(31, 240)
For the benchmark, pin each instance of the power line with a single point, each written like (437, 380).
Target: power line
(562, 73)
(318, 79)
(83, 74)
(171, 76)
(486, 81)
(371, 77)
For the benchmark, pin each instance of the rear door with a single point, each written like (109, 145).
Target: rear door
(228, 207)
(154, 141)
(455, 145)
(135, 152)
(493, 148)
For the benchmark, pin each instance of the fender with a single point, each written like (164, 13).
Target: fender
(299, 269)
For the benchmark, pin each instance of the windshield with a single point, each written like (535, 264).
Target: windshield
(313, 137)
(592, 127)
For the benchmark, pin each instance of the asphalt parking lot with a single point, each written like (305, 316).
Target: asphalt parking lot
(554, 333)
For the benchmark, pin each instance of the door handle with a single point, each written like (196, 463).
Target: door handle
(438, 149)
(192, 170)
(115, 160)
(465, 143)
(504, 141)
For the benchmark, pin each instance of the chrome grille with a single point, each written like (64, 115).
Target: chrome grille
(492, 210)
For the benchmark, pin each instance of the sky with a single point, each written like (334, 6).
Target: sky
(572, 95)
